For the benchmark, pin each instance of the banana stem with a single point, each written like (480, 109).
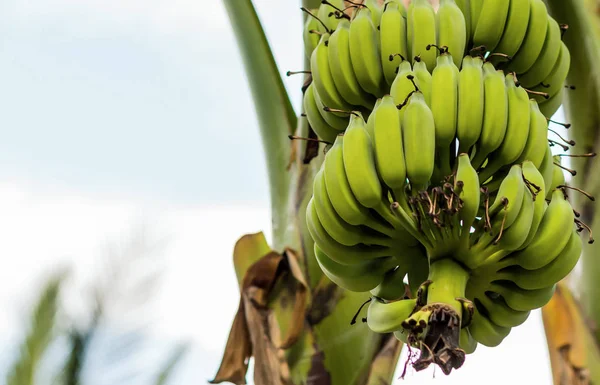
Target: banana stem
(448, 282)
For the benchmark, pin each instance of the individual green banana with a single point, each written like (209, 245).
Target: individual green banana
(376, 11)
(311, 39)
(402, 86)
(451, 30)
(444, 103)
(512, 188)
(338, 187)
(501, 314)
(422, 27)
(341, 68)
(486, 332)
(392, 287)
(534, 40)
(519, 299)
(341, 231)
(359, 163)
(490, 24)
(388, 317)
(554, 83)
(516, 234)
(469, 193)
(551, 236)
(323, 79)
(419, 140)
(359, 277)
(517, 129)
(535, 149)
(392, 34)
(547, 275)
(536, 180)
(389, 149)
(423, 79)
(323, 130)
(470, 103)
(547, 58)
(364, 53)
(515, 28)
(495, 114)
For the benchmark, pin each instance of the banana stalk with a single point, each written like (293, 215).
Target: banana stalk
(582, 106)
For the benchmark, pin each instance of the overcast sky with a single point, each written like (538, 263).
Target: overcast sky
(121, 113)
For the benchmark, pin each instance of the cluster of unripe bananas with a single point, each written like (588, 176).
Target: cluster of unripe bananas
(439, 192)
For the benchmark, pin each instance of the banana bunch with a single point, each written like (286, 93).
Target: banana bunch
(440, 194)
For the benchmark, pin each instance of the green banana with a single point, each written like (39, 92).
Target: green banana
(490, 23)
(468, 192)
(451, 30)
(470, 103)
(392, 33)
(392, 287)
(501, 314)
(535, 149)
(495, 114)
(534, 40)
(554, 82)
(519, 299)
(422, 32)
(311, 39)
(419, 140)
(423, 79)
(326, 14)
(364, 53)
(341, 68)
(548, 57)
(515, 28)
(359, 162)
(402, 86)
(389, 149)
(486, 332)
(388, 317)
(536, 179)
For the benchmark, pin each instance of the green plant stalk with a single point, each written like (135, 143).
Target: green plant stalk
(582, 106)
(276, 116)
(448, 282)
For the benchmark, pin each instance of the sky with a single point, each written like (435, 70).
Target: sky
(128, 114)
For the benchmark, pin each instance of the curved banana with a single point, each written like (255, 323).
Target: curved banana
(326, 14)
(558, 176)
(538, 185)
(469, 193)
(444, 103)
(388, 317)
(371, 120)
(547, 275)
(364, 53)
(323, 130)
(551, 236)
(534, 40)
(323, 79)
(501, 314)
(392, 34)
(341, 68)
(548, 57)
(547, 171)
(451, 30)
(467, 342)
(519, 299)
(392, 287)
(550, 106)
(335, 120)
(554, 83)
(486, 332)
(515, 27)
(512, 189)
(359, 277)
(495, 114)
(490, 24)
(419, 140)
(535, 149)
(376, 11)
(517, 130)
(470, 103)
(359, 163)
(402, 86)
(475, 7)
(422, 31)
(389, 149)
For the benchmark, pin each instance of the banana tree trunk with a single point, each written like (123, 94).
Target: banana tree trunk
(298, 328)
